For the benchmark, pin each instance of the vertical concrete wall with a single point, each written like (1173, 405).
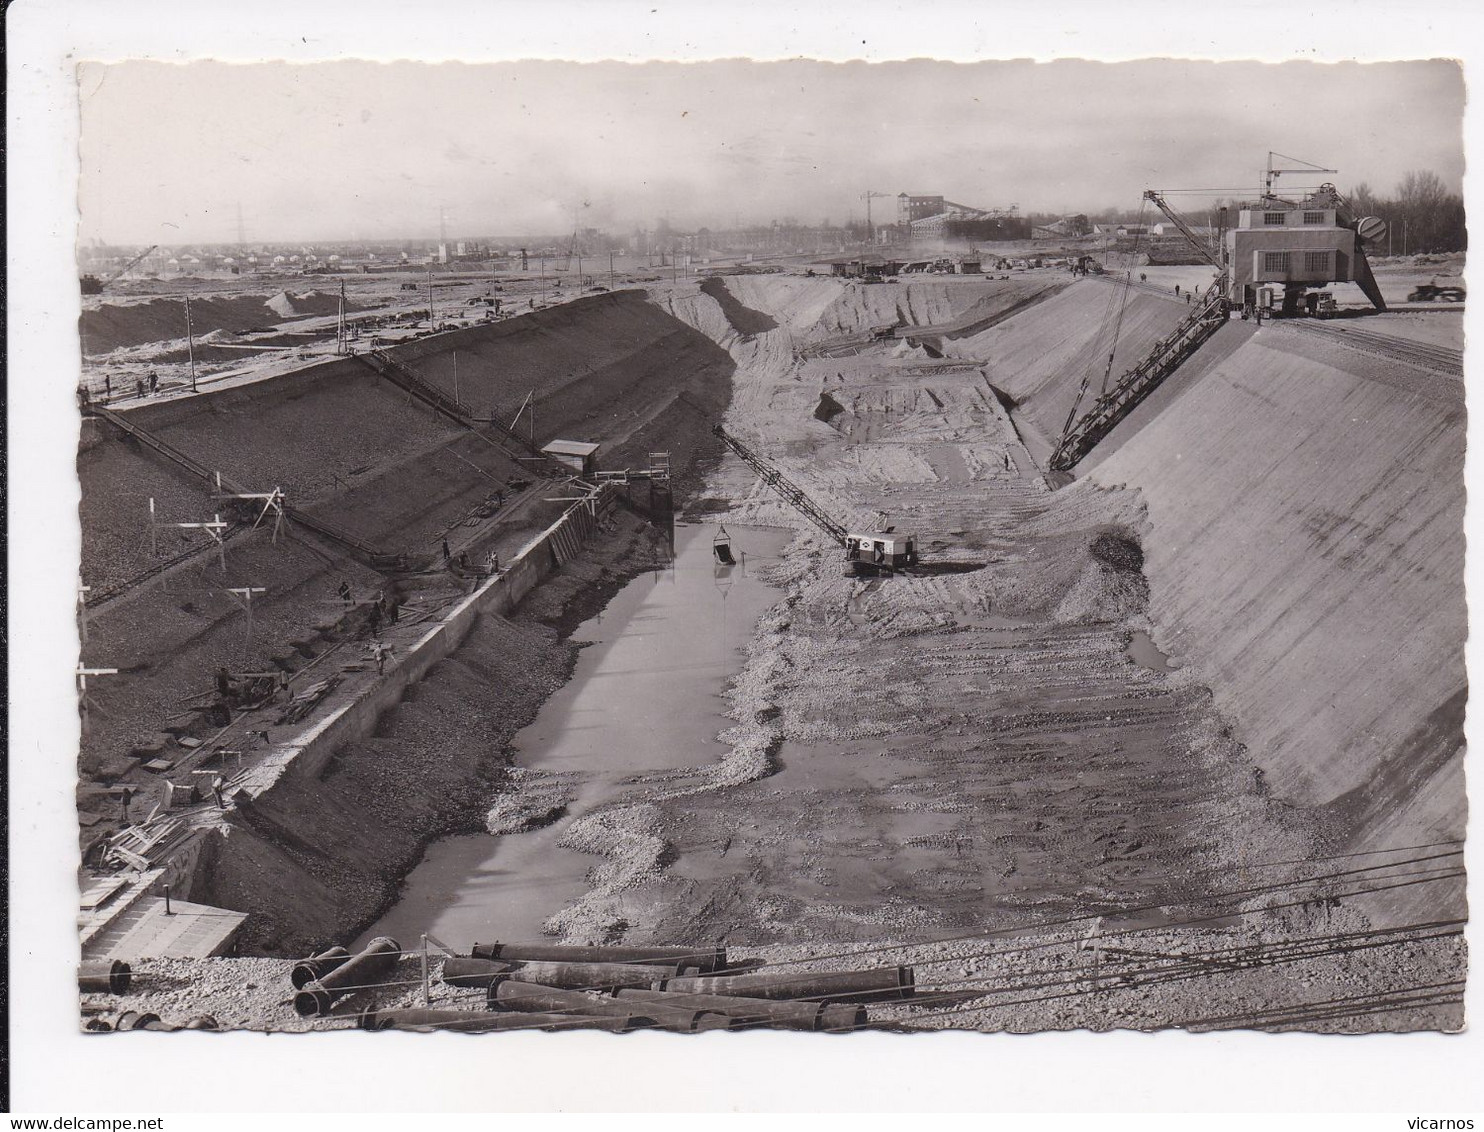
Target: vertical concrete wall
(306, 757)
(559, 543)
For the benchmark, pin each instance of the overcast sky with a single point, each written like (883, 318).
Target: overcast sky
(349, 149)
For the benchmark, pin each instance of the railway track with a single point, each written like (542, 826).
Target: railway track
(1440, 358)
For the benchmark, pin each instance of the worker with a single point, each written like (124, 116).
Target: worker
(447, 556)
(223, 683)
(154, 382)
(463, 560)
(218, 784)
(393, 611)
(379, 652)
(107, 387)
(1187, 298)
(344, 592)
(139, 387)
(375, 620)
(1177, 290)
(125, 797)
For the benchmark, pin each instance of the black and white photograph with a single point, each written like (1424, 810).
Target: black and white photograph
(787, 544)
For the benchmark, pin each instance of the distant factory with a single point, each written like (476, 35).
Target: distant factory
(937, 218)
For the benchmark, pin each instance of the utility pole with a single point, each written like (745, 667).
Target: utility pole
(190, 343)
(430, 296)
(245, 594)
(610, 271)
(455, 375)
(341, 345)
(543, 280)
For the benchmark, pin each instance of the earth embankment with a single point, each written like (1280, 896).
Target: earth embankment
(361, 455)
(1040, 356)
(114, 323)
(1305, 550)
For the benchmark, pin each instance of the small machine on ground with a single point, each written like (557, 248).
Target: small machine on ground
(866, 554)
(880, 552)
(1432, 293)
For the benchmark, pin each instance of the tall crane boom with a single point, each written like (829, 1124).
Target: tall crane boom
(868, 196)
(1206, 251)
(784, 486)
(92, 285)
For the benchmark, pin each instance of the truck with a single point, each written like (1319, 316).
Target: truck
(1432, 293)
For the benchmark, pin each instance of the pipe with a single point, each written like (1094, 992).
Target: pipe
(881, 984)
(706, 960)
(482, 1022)
(783, 1014)
(103, 976)
(507, 995)
(378, 959)
(307, 970)
(587, 976)
(139, 1020)
(481, 973)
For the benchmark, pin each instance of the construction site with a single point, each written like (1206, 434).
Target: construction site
(1072, 646)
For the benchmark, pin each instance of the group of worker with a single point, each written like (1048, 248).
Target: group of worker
(143, 387)
(491, 560)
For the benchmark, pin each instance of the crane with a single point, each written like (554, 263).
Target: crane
(1298, 246)
(1208, 253)
(92, 285)
(868, 196)
(1271, 174)
(883, 552)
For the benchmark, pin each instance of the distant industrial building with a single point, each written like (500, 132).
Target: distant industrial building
(937, 218)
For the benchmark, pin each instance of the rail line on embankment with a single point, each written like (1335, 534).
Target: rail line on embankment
(1424, 354)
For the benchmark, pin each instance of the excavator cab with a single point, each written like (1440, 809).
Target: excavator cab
(881, 552)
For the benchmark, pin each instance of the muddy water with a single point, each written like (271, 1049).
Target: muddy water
(646, 697)
(1144, 652)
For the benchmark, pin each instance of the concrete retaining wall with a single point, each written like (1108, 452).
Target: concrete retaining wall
(1305, 557)
(560, 542)
(306, 757)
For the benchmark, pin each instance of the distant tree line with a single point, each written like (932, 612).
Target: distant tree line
(1422, 214)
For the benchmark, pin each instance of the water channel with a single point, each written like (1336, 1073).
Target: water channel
(646, 696)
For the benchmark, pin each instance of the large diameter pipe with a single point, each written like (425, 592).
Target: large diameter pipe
(483, 1022)
(306, 971)
(587, 976)
(141, 1020)
(783, 1014)
(509, 995)
(376, 961)
(480, 973)
(880, 984)
(103, 976)
(704, 959)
